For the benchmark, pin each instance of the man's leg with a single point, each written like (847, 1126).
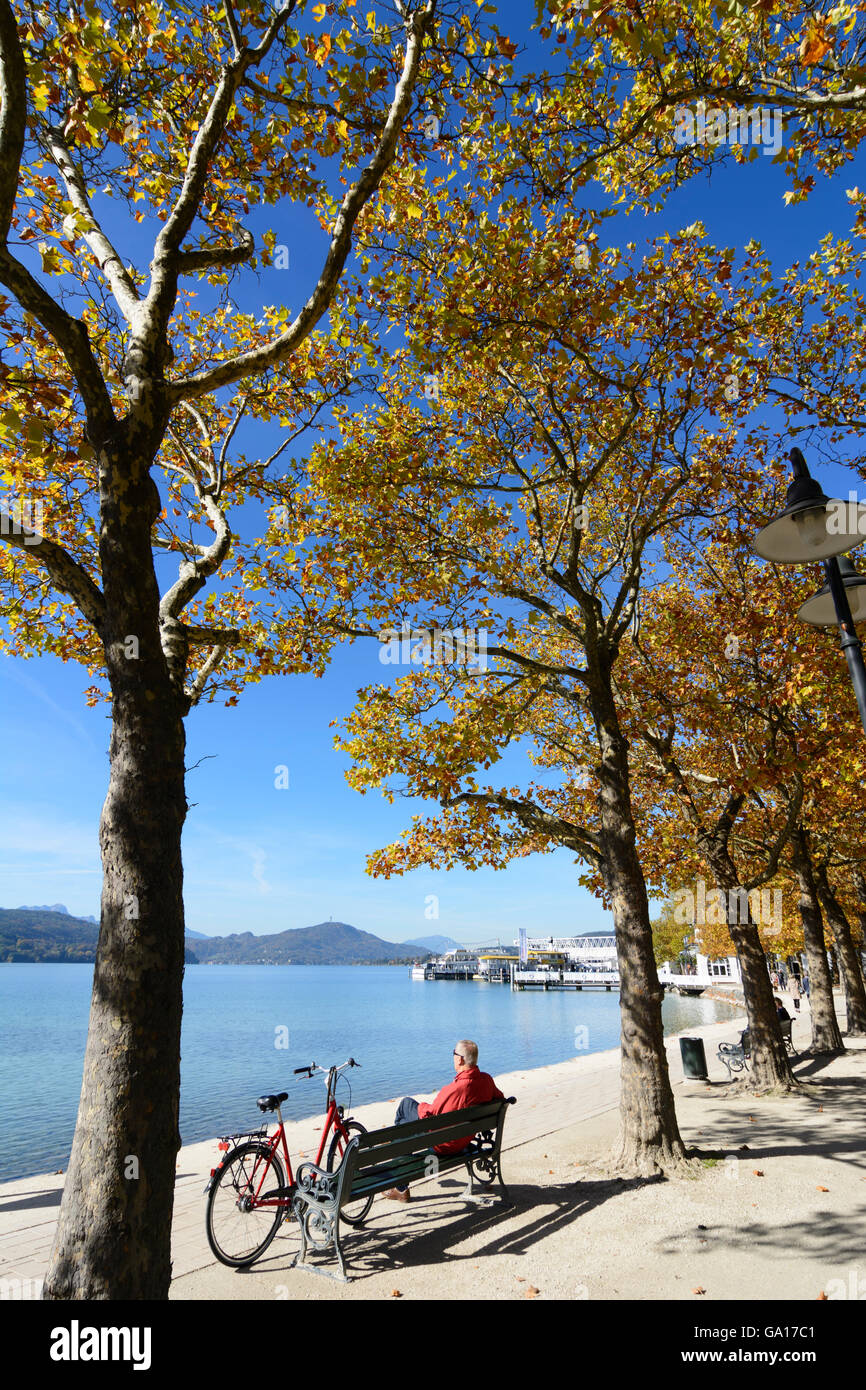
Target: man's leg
(407, 1111)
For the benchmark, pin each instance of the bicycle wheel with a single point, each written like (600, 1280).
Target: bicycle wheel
(238, 1231)
(353, 1212)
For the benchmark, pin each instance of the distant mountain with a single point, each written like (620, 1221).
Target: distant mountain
(327, 943)
(43, 934)
(437, 944)
(39, 934)
(56, 907)
(198, 935)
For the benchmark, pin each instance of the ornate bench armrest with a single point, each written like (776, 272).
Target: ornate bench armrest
(315, 1184)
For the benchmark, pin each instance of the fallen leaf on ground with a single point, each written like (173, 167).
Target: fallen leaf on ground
(758, 1172)
(531, 1292)
(395, 1293)
(822, 1295)
(822, 1189)
(699, 1290)
(550, 1170)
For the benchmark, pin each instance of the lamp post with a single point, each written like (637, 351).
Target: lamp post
(815, 527)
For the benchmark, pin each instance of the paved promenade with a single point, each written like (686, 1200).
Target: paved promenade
(549, 1099)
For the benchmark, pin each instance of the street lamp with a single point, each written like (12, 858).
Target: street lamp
(820, 610)
(815, 527)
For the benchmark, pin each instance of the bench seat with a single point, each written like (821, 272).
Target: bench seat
(381, 1159)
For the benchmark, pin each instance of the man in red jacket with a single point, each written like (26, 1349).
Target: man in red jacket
(469, 1087)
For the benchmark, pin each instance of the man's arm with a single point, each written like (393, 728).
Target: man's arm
(439, 1105)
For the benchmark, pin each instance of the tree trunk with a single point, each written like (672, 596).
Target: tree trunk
(113, 1237)
(826, 1036)
(769, 1066)
(860, 881)
(849, 963)
(649, 1141)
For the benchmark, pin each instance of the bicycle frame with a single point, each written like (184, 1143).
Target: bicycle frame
(333, 1120)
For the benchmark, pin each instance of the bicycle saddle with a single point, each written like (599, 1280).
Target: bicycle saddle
(271, 1102)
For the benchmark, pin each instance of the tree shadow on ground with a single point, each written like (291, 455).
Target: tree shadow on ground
(25, 1201)
(771, 1134)
(837, 1238)
(433, 1226)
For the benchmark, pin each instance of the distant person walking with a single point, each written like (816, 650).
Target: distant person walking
(774, 979)
(794, 991)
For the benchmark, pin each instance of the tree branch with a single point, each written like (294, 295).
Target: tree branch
(258, 360)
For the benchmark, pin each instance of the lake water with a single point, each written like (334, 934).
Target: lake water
(238, 1019)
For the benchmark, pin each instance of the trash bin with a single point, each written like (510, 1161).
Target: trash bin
(694, 1059)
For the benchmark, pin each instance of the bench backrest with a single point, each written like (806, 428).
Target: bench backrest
(785, 1025)
(380, 1146)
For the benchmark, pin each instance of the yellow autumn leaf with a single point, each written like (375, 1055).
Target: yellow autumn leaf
(815, 45)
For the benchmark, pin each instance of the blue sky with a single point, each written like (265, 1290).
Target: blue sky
(260, 859)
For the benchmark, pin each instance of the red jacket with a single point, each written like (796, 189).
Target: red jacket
(469, 1087)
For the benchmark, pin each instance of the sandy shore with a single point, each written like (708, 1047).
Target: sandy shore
(778, 1209)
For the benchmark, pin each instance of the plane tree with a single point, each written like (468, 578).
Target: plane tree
(736, 726)
(650, 94)
(558, 405)
(148, 157)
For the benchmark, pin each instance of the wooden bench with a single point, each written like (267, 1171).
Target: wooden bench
(736, 1055)
(385, 1158)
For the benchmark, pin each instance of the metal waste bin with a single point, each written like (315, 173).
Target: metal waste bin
(694, 1059)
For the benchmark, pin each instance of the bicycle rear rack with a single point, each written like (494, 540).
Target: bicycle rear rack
(260, 1133)
(225, 1142)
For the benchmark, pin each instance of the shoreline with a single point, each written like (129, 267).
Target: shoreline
(550, 1098)
(573, 1231)
(315, 1114)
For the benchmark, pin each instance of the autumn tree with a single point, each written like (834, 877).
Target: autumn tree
(548, 420)
(127, 393)
(738, 722)
(654, 93)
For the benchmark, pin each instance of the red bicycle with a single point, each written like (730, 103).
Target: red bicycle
(250, 1192)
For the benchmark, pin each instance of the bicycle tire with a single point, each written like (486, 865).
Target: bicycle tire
(354, 1213)
(236, 1237)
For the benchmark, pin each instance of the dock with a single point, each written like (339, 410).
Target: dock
(565, 979)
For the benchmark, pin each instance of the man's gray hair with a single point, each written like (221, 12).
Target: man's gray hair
(468, 1051)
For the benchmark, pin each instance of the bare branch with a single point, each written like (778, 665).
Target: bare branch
(65, 573)
(214, 658)
(121, 283)
(259, 359)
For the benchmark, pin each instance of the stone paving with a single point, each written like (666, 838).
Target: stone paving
(548, 1099)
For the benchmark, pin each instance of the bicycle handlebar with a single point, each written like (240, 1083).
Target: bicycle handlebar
(350, 1062)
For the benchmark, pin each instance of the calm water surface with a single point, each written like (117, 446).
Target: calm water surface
(237, 1019)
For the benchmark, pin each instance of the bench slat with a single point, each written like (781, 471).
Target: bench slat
(382, 1145)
